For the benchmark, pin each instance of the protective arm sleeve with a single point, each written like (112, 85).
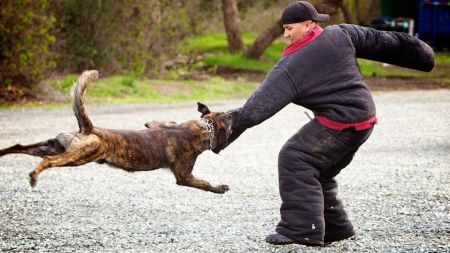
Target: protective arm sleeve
(276, 91)
(396, 48)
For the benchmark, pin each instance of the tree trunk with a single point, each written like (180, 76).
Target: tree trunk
(339, 4)
(347, 15)
(264, 40)
(234, 37)
(231, 22)
(358, 12)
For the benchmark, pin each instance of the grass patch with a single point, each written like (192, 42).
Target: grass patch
(130, 90)
(34, 104)
(373, 68)
(168, 91)
(443, 58)
(64, 84)
(238, 62)
(440, 74)
(215, 51)
(214, 43)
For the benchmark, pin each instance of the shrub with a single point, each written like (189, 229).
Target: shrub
(25, 41)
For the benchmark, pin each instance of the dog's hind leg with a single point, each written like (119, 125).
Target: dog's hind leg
(45, 148)
(185, 178)
(86, 154)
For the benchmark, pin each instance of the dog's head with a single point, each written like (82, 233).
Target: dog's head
(222, 123)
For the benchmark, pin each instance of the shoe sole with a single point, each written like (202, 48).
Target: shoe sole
(339, 239)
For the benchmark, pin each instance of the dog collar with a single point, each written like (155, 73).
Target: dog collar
(210, 129)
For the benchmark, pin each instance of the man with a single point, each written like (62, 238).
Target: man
(319, 71)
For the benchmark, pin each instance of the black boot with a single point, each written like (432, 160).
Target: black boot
(329, 238)
(279, 239)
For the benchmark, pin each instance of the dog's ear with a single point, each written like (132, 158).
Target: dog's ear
(203, 109)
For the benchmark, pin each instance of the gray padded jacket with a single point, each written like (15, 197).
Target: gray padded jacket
(324, 76)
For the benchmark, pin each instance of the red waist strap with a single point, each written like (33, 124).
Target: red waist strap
(338, 126)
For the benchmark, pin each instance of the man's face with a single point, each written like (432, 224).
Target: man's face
(295, 31)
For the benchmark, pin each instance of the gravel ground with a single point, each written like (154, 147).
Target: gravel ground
(396, 191)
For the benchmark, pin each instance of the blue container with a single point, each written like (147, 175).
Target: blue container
(434, 23)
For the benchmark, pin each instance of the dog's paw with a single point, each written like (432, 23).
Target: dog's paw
(33, 178)
(221, 189)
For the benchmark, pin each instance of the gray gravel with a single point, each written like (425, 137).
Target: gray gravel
(396, 191)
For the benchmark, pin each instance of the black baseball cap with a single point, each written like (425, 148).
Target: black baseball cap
(300, 11)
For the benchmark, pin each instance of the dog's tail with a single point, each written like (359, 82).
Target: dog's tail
(79, 90)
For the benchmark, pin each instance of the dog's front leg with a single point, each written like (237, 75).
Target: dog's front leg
(183, 174)
(192, 181)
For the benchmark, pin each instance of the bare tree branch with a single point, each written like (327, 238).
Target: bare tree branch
(264, 40)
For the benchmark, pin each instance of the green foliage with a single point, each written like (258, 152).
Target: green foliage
(25, 41)
(106, 34)
(125, 37)
(133, 38)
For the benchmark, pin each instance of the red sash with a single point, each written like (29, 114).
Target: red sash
(309, 37)
(338, 126)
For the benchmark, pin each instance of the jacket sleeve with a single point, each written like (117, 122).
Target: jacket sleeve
(274, 94)
(390, 47)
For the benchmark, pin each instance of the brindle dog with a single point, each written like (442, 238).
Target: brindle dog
(161, 145)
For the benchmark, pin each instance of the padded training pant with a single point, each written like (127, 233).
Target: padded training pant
(310, 211)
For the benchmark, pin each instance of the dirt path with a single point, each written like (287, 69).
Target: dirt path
(396, 191)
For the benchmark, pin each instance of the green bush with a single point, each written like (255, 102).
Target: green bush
(25, 41)
(130, 37)
(106, 34)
